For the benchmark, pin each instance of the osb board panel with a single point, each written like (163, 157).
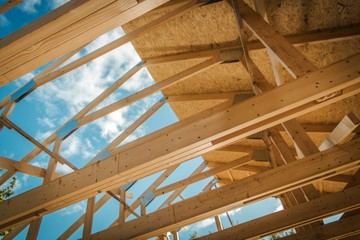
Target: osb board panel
(290, 17)
(202, 27)
(214, 26)
(217, 156)
(186, 109)
(219, 78)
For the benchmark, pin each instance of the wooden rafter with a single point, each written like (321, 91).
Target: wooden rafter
(209, 135)
(100, 19)
(269, 183)
(296, 216)
(8, 5)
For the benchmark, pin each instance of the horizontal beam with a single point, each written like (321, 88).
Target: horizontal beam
(187, 139)
(9, 164)
(208, 96)
(7, 123)
(293, 217)
(326, 35)
(201, 176)
(334, 230)
(270, 183)
(151, 90)
(323, 36)
(73, 36)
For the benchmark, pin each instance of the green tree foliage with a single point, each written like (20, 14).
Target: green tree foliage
(194, 235)
(6, 193)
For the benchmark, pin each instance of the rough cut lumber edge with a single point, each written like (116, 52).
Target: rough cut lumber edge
(265, 114)
(254, 188)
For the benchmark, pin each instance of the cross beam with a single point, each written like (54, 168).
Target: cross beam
(192, 139)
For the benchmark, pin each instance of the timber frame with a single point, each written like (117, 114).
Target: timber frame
(257, 128)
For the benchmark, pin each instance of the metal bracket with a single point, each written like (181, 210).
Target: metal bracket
(147, 198)
(23, 91)
(65, 131)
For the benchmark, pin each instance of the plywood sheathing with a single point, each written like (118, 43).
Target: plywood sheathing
(213, 26)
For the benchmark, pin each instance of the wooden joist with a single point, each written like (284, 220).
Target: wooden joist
(151, 89)
(201, 176)
(25, 168)
(296, 216)
(335, 230)
(192, 139)
(8, 5)
(269, 183)
(86, 29)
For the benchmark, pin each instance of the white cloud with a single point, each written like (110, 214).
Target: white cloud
(40, 164)
(77, 88)
(76, 145)
(232, 212)
(29, 6)
(40, 136)
(205, 223)
(279, 206)
(24, 79)
(46, 122)
(4, 22)
(76, 208)
(141, 80)
(56, 3)
(62, 168)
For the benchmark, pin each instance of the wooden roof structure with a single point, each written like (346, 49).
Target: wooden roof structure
(267, 92)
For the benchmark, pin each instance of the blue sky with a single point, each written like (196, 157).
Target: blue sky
(46, 109)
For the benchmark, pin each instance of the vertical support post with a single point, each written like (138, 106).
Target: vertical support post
(35, 225)
(89, 216)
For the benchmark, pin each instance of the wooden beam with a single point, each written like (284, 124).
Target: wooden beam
(296, 216)
(269, 183)
(192, 139)
(322, 36)
(25, 168)
(48, 25)
(152, 89)
(6, 122)
(218, 223)
(334, 230)
(8, 100)
(347, 125)
(73, 36)
(8, 5)
(198, 177)
(74, 120)
(178, 191)
(208, 96)
(127, 132)
(296, 64)
(80, 221)
(34, 227)
(140, 9)
(89, 216)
